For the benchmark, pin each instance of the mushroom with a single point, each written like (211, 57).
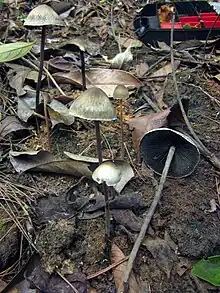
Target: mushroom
(121, 93)
(93, 104)
(42, 16)
(107, 174)
(154, 148)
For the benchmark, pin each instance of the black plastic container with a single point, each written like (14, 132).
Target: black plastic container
(147, 24)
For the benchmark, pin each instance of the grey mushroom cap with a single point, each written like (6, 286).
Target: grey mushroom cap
(43, 15)
(121, 93)
(93, 104)
(154, 148)
(107, 172)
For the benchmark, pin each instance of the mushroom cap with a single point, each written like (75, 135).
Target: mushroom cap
(107, 172)
(154, 148)
(121, 92)
(43, 15)
(93, 104)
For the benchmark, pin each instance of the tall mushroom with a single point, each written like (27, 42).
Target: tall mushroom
(93, 104)
(121, 93)
(42, 16)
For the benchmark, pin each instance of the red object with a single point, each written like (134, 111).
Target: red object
(210, 18)
(169, 25)
(192, 24)
(210, 24)
(186, 19)
(204, 14)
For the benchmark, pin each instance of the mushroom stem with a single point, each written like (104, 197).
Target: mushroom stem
(107, 212)
(42, 44)
(83, 70)
(122, 129)
(98, 141)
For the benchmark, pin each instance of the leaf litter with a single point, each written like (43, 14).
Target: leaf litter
(59, 203)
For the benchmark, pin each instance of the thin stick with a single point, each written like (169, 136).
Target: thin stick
(209, 155)
(148, 217)
(105, 270)
(71, 286)
(43, 33)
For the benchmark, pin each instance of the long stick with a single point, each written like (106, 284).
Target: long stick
(148, 217)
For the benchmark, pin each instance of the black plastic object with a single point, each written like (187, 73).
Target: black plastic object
(147, 24)
(155, 146)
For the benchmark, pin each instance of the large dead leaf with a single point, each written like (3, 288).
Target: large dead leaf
(106, 79)
(143, 124)
(126, 171)
(43, 161)
(167, 69)
(118, 272)
(10, 124)
(162, 253)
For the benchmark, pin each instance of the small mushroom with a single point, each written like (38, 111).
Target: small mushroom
(93, 104)
(42, 16)
(121, 93)
(107, 174)
(154, 148)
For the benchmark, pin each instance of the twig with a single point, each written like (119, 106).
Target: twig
(74, 289)
(148, 217)
(112, 266)
(151, 103)
(209, 155)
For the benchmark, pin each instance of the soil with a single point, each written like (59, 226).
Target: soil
(183, 228)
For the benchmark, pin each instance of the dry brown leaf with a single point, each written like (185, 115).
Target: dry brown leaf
(10, 124)
(167, 69)
(141, 69)
(118, 272)
(157, 89)
(129, 42)
(143, 124)
(106, 79)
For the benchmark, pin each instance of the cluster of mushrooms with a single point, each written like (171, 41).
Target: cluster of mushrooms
(94, 105)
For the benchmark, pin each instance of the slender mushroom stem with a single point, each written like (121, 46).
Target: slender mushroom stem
(122, 129)
(98, 141)
(148, 218)
(83, 70)
(107, 214)
(42, 45)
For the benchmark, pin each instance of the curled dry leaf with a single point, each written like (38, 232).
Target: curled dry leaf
(43, 161)
(118, 272)
(126, 171)
(59, 113)
(141, 69)
(122, 58)
(26, 104)
(106, 79)
(10, 124)
(143, 124)
(129, 42)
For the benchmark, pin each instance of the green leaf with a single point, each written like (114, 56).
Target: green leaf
(12, 51)
(208, 270)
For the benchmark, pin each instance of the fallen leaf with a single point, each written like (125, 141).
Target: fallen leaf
(164, 71)
(143, 124)
(175, 117)
(61, 64)
(126, 171)
(59, 113)
(157, 89)
(129, 42)
(127, 219)
(217, 77)
(106, 79)
(164, 256)
(118, 272)
(141, 69)
(10, 124)
(121, 59)
(26, 104)
(43, 161)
